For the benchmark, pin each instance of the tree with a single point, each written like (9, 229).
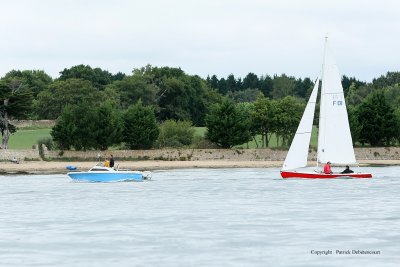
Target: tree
(64, 129)
(391, 78)
(98, 77)
(231, 83)
(51, 101)
(178, 96)
(347, 82)
(226, 126)
(355, 126)
(108, 126)
(132, 88)
(246, 109)
(175, 101)
(392, 95)
(85, 127)
(140, 127)
(247, 95)
(379, 125)
(266, 85)
(289, 115)
(282, 86)
(15, 103)
(302, 87)
(356, 95)
(222, 86)
(264, 117)
(214, 82)
(34, 80)
(251, 81)
(85, 131)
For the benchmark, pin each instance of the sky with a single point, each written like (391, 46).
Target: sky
(202, 37)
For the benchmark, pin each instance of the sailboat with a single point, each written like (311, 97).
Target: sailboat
(334, 137)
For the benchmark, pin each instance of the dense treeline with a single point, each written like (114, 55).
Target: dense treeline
(96, 109)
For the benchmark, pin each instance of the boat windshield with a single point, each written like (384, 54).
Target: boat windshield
(99, 170)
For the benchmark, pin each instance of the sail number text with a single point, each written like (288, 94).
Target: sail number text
(337, 100)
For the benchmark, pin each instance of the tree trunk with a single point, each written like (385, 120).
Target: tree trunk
(262, 140)
(6, 130)
(255, 141)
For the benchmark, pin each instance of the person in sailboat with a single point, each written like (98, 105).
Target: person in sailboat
(347, 170)
(327, 168)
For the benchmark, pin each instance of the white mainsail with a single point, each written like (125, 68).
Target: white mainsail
(334, 136)
(298, 151)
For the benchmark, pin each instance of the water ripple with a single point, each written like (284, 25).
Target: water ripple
(200, 217)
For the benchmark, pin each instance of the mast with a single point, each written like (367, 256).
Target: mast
(321, 124)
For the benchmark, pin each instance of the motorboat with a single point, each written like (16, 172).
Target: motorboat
(107, 174)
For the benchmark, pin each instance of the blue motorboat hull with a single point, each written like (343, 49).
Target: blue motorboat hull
(106, 177)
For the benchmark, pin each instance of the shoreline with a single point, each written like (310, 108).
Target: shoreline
(59, 167)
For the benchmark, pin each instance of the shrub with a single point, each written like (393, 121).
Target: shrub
(47, 141)
(175, 134)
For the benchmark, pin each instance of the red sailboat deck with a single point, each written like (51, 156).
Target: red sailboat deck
(316, 175)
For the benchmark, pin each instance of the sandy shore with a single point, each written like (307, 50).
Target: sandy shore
(36, 167)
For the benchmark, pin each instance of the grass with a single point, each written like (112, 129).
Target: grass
(273, 142)
(26, 138)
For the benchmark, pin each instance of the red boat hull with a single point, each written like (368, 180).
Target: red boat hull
(316, 175)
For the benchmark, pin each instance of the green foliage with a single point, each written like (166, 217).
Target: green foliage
(172, 93)
(356, 95)
(84, 136)
(391, 78)
(47, 141)
(175, 101)
(283, 86)
(175, 134)
(51, 101)
(247, 95)
(175, 95)
(132, 88)
(226, 126)
(264, 117)
(303, 88)
(34, 80)
(289, 115)
(379, 125)
(348, 82)
(392, 95)
(355, 126)
(141, 129)
(15, 99)
(15, 103)
(397, 116)
(84, 127)
(109, 126)
(250, 81)
(98, 77)
(64, 129)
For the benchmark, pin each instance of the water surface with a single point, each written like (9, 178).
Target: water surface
(200, 217)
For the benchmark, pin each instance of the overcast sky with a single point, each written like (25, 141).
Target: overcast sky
(202, 37)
